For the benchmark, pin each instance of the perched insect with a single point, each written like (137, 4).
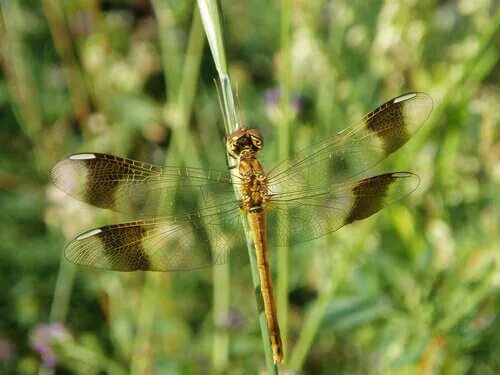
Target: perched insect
(306, 196)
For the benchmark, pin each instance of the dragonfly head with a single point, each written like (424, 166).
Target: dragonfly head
(249, 140)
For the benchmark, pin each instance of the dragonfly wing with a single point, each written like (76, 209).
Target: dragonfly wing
(298, 218)
(181, 242)
(355, 149)
(143, 189)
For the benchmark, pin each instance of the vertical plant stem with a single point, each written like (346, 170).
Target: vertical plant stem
(186, 94)
(211, 14)
(141, 358)
(284, 151)
(53, 11)
(62, 292)
(220, 347)
(221, 275)
(169, 43)
(21, 81)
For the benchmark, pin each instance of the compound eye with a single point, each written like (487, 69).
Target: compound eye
(256, 138)
(254, 133)
(257, 142)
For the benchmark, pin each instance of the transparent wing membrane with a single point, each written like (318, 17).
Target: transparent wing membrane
(182, 242)
(353, 150)
(303, 218)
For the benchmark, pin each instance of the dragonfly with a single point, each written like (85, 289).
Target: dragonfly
(189, 218)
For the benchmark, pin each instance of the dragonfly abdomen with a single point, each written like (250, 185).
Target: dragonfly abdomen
(257, 222)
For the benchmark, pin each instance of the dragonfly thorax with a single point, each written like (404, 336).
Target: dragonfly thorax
(254, 190)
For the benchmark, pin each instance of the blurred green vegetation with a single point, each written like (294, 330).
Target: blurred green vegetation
(412, 290)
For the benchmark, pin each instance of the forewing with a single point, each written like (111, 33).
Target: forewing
(181, 242)
(143, 189)
(355, 149)
(294, 220)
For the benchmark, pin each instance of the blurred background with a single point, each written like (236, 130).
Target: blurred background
(411, 290)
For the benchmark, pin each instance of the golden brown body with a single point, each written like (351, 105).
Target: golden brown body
(257, 221)
(243, 145)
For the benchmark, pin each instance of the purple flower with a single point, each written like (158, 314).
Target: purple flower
(272, 99)
(7, 350)
(83, 23)
(43, 339)
(234, 319)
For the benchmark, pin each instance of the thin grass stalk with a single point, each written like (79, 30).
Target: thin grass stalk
(17, 70)
(62, 292)
(184, 99)
(54, 13)
(284, 151)
(211, 14)
(145, 319)
(221, 298)
(221, 274)
(220, 348)
(169, 45)
(120, 312)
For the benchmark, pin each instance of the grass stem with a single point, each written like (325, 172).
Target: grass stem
(61, 36)
(211, 14)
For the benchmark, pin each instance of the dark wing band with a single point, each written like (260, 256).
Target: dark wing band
(134, 187)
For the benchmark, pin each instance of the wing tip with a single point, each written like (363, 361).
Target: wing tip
(418, 95)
